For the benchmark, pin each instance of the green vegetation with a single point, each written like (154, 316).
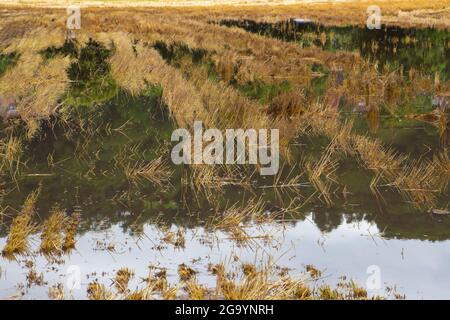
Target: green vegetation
(7, 61)
(91, 81)
(69, 48)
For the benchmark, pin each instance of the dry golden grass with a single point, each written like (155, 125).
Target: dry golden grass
(322, 175)
(194, 290)
(36, 86)
(376, 157)
(10, 154)
(133, 68)
(177, 239)
(70, 230)
(258, 284)
(248, 282)
(22, 227)
(185, 272)
(52, 238)
(33, 278)
(56, 292)
(191, 95)
(97, 291)
(128, 67)
(421, 182)
(156, 171)
(123, 277)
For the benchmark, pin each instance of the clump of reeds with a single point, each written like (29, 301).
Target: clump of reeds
(157, 283)
(345, 290)
(10, 154)
(287, 104)
(177, 239)
(22, 227)
(442, 161)
(70, 230)
(257, 284)
(321, 174)
(52, 238)
(375, 157)
(185, 272)
(123, 277)
(421, 182)
(195, 290)
(313, 271)
(56, 292)
(342, 141)
(97, 291)
(236, 214)
(33, 278)
(322, 120)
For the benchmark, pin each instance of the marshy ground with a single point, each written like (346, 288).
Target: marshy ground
(88, 188)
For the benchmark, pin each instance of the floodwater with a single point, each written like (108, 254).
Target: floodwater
(426, 50)
(121, 218)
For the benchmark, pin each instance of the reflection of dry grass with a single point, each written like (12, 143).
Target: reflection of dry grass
(421, 182)
(156, 171)
(209, 181)
(322, 174)
(233, 219)
(375, 157)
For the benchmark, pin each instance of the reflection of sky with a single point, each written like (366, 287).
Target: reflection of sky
(418, 269)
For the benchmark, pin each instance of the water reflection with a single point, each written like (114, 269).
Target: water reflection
(86, 174)
(426, 50)
(417, 268)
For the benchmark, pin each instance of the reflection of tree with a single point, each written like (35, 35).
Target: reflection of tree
(325, 220)
(426, 50)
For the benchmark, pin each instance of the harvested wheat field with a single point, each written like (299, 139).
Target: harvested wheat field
(342, 192)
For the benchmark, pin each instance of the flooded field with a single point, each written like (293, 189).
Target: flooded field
(426, 50)
(91, 198)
